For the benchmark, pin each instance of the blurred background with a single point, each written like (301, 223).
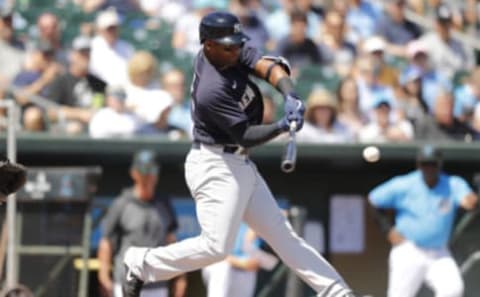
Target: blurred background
(94, 81)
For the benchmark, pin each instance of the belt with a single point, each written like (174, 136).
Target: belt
(226, 148)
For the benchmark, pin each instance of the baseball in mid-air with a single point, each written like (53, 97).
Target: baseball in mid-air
(371, 154)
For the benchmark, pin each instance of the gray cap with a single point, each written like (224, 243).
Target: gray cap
(429, 153)
(81, 43)
(116, 91)
(145, 163)
(6, 12)
(444, 13)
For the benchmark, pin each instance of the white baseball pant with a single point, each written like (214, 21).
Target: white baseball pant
(146, 292)
(223, 280)
(228, 188)
(410, 266)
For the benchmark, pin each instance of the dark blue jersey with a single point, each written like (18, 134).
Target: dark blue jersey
(222, 99)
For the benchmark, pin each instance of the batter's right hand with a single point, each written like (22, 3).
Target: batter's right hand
(395, 237)
(284, 123)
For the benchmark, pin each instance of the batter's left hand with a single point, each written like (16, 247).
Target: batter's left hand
(293, 105)
(294, 109)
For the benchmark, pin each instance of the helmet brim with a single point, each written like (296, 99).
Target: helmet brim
(237, 38)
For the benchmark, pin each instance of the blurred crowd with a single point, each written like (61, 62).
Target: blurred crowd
(367, 70)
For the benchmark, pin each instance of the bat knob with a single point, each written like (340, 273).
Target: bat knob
(288, 166)
(293, 126)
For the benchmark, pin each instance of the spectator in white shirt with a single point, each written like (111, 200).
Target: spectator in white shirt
(144, 97)
(114, 120)
(447, 54)
(383, 128)
(109, 54)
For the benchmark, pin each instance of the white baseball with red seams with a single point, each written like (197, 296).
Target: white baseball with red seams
(371, 154)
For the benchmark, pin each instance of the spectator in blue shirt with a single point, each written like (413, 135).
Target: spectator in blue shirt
(425, 202)
(466, 97)
(252, 24)
(278, 22)
(362, 18)
(396, 29)
(434, 83)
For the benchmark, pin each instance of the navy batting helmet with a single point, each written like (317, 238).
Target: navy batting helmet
(222, 27)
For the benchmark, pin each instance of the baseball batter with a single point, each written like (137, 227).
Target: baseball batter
(425, 202)
(227, 111)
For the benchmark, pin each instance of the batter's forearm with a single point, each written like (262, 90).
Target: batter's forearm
(275, 74)
(258, 134)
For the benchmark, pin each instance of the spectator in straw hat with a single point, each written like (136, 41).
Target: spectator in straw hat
(321, 124)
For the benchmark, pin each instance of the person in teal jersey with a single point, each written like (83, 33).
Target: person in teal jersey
(425, 203)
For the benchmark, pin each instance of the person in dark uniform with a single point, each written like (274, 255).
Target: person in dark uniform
(227, 112)
(137, 217)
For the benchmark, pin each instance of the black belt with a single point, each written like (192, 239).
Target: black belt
(226, 148)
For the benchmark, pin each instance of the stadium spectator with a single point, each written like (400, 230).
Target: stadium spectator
(434, 83)
(252, 24)
(349, 113)
(410, 103)
(369, 87)
(109, 54)
(185, 34)
(39, 71)
(297, 47)
(144, 97)
(387, 75)
(396, 29)
(443, 126)
(114, 120)
(334, 47)
(49, 31)
(447, 54)
(278, 22)
(179, 118)
(13, 55)
(124, 7)
(78, 93)
(362, 19)
(168, 10)
(383, 128)
(476, 118)
(467, 97)
(321, 122)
